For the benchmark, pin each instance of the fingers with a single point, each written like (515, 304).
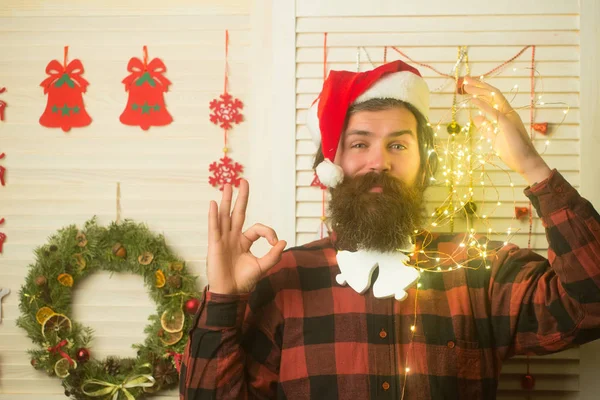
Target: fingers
(488, 111)
(239, 209)
(488, 92)
(214, 233)
(483, 126)
(259, 230)
(225, 209)
(272, 257)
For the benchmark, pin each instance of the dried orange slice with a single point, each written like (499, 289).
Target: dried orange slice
(169, 339)
(176, 266)
(172, 321)
(58, 324)
(160, 279)
(65, 280)
(146, 258)
(43, 314)
(62, 367)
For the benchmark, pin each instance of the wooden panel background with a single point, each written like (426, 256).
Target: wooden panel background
(55, 178)
(430, 32)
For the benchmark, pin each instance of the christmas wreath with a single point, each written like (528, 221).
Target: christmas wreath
(64, 345)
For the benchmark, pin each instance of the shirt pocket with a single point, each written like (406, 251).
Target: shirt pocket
(452, 357)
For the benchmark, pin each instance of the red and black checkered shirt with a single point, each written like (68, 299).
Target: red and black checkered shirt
(300, 335)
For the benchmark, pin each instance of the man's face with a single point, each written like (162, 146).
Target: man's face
(381, 141)
(380, 201)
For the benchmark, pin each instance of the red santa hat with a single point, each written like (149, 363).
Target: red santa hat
(342, 89)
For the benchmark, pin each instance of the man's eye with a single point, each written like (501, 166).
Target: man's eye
(398, 146)
(358, 146)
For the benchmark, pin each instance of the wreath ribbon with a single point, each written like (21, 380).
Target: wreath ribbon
(58, 349)
(111, 389)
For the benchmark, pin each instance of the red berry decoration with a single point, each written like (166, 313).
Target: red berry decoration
(191, 306)
(83, 355)
(528, 382)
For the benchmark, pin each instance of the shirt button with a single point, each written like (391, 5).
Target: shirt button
(451, 344)
(383, 334)
(385, 386)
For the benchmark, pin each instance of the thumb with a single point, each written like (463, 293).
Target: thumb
(269, 260)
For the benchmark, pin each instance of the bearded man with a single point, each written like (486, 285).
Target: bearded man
(339, 318)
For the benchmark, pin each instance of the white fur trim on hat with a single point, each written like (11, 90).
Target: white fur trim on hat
(330, 174)
(403, 85)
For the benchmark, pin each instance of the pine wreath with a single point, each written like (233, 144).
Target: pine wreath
(63, 344)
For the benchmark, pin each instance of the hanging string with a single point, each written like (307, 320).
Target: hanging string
(226, 61)
(452, 77)
(385, 55)
(324, 55)
(321, 225)
(65, 54)
(368, 57)
(145, 57)
(358, 59)
(532, 133)
(118, 202)
(226, 84)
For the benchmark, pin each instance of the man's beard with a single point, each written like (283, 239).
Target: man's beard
(375, 221)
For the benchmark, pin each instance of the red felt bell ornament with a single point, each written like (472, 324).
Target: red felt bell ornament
(146, 85)
(65, 87)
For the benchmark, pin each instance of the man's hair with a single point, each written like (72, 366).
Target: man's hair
(429, 161)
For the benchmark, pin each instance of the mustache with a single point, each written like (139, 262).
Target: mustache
(363, 183)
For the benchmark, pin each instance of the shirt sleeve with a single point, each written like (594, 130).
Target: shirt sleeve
(541, 306)
(220, 360)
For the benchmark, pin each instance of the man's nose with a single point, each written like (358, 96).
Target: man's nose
(380, 160)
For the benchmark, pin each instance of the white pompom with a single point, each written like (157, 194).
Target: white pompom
(330, 174)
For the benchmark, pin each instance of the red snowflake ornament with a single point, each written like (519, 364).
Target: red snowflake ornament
(225, 172)
(226, 111)
(317, 182)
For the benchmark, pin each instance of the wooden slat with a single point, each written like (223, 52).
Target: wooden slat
(111, 38)
(509, 38)
(436, 53)
(341, 8)
(127, 23)
(446, 23)
(74, 8)
(123, 52)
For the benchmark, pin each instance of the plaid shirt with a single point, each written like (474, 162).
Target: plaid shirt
(300, 335)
